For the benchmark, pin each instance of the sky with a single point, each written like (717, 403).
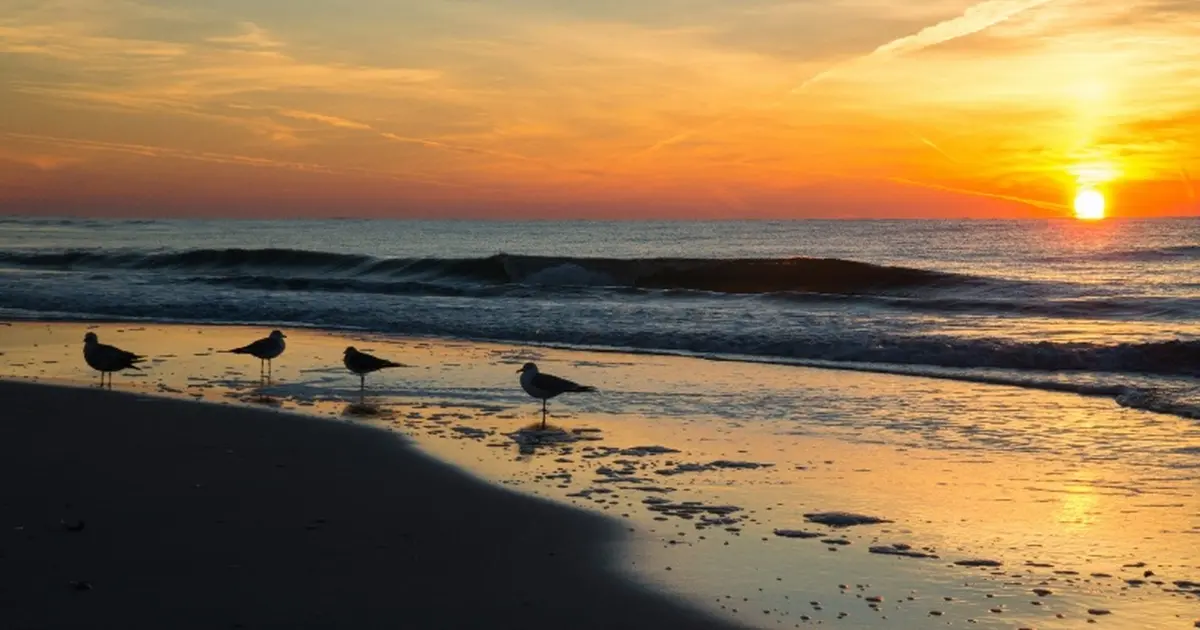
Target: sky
(586, 109)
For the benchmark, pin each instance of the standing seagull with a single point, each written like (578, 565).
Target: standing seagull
(547, 386)
(363, 364)
(107, 358)
(264, 350)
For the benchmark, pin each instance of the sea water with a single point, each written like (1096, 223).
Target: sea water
(1106, 308)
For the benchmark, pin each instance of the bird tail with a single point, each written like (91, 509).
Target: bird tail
(242, 350)
(586, 388)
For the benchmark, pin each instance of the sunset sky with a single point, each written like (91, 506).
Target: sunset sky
(600, 109)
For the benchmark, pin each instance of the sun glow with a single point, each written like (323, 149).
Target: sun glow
(1089, 205)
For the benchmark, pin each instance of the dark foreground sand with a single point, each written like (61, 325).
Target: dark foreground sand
(200, 516)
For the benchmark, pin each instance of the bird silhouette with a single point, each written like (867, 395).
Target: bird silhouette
(363, 364)
(547, 386)
(108, 359)
(264, 350)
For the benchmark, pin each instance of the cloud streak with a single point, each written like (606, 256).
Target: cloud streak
(974, 20)
(1036, 203)
(929, 143)
(343, 123)
(213, 157)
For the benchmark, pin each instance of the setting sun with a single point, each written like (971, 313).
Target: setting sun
(1089, 205)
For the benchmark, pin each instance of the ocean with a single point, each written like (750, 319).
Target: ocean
(1108, 308)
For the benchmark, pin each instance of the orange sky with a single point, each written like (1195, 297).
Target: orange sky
(622, 108)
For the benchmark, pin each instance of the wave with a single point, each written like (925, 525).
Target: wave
(740, 276)
(1178, 401)
(1140, 307)
(1172, 358)
(397, 287)
(807, 280)
(1170, 403)
(1145, 254)
(1026, 305)
(1185, 252)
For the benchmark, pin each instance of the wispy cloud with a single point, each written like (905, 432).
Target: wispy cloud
(1036, 203)
(333, 121)
(929, 143)
(252, 36)
(431, 143)
(214, 157)
(977, 18)
(249, 61)
(40, 161)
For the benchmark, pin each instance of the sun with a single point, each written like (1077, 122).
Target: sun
(1089, 205)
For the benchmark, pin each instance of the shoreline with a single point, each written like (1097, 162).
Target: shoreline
(195, 515)
(1168, 395)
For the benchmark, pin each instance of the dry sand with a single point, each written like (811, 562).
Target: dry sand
(199, 516)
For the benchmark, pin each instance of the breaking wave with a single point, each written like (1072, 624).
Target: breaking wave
(738, 276)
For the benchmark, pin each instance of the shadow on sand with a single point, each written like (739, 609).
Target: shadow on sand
(362, 410)
(288, 522)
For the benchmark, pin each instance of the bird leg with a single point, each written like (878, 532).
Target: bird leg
(543, 414)
(362, 387)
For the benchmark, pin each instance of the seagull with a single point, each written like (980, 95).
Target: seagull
(107, 358)
(363, 364)
(264, 350)
(547, 386)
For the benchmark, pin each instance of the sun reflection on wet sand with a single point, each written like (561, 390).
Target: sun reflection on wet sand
(1078, 507)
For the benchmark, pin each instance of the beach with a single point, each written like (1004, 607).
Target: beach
(686, 484)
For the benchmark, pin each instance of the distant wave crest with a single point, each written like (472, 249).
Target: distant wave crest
(741, 276)
(1143, 254)
(1029, 303)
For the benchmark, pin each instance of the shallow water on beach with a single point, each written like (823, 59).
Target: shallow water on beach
(1075, 495)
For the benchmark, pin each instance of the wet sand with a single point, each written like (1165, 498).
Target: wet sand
(121, 510)
(1006, 507)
